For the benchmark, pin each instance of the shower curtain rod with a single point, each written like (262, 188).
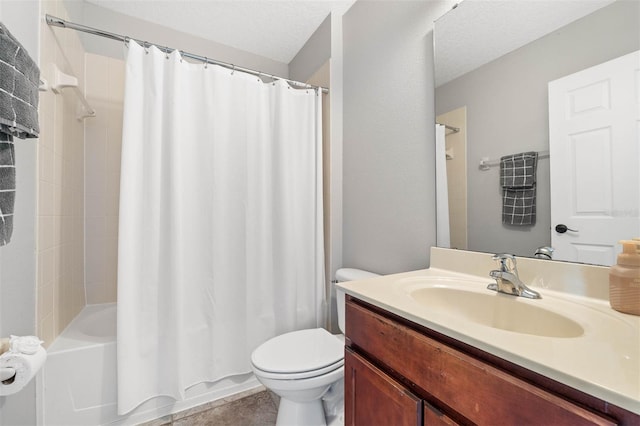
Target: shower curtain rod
(59, 22)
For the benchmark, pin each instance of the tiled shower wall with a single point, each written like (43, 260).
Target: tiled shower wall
(103, 134)
(60, 211)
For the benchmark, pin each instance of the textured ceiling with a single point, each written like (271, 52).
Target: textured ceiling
(276, 29)
(479, 31)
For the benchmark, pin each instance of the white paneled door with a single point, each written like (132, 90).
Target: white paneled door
(594, 128)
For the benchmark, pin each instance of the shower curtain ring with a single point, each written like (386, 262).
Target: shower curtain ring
(206, 62)
(181, 53)
(273, 79)
(166, 53)
(146, 47)
(126, 41)
(259, 74)
(233, 69)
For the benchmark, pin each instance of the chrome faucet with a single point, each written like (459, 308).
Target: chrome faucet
(545, 253)
(507, 279)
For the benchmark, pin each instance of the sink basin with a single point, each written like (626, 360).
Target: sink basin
(497, 310)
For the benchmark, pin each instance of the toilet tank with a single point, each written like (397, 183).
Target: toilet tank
(343, 275)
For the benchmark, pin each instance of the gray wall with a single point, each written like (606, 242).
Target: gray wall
(95, 16)
(507, 112)
(17, 259)
(315, 52)
(388, 148)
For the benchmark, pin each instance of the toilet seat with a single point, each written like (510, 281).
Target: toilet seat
(299, 354)
(300, 375)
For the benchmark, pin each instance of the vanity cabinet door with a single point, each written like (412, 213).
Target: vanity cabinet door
(373, 398)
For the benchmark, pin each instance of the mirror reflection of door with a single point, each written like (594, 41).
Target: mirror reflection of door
(594, 148)
(456, 151)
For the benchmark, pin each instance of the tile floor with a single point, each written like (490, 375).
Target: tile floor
(257, 407)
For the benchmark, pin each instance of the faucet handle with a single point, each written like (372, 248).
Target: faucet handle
(506, 262)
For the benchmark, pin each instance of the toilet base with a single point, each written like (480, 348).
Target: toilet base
(309, 413)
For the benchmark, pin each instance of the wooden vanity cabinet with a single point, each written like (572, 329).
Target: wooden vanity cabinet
(400, 373)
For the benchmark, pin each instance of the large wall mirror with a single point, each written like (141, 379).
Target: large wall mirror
(560, 78)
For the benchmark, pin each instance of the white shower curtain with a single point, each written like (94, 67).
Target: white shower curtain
(443, 238)
(220, 238)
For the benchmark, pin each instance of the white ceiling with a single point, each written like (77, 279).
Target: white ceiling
(467, 37)
(479, 31)
(276, 29)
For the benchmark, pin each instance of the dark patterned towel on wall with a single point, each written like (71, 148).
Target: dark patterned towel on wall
(519, 206)
(518, 181)
(7, 187)
(19, 81)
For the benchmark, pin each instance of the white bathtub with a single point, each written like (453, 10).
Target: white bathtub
(79, 386)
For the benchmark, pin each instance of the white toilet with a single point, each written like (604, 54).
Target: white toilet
(303, 365)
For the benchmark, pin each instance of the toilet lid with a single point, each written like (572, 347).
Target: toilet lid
(298, 351)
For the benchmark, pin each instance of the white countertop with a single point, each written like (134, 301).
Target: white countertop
(604, 361)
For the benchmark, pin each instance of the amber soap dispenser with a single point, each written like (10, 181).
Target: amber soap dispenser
(624, 279)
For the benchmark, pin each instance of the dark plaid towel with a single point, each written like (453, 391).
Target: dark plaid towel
(7, 187)
(518, 181)
(518, 170)
(19, 81)
(519, 206)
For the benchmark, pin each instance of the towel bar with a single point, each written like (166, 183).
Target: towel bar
(486, 163)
